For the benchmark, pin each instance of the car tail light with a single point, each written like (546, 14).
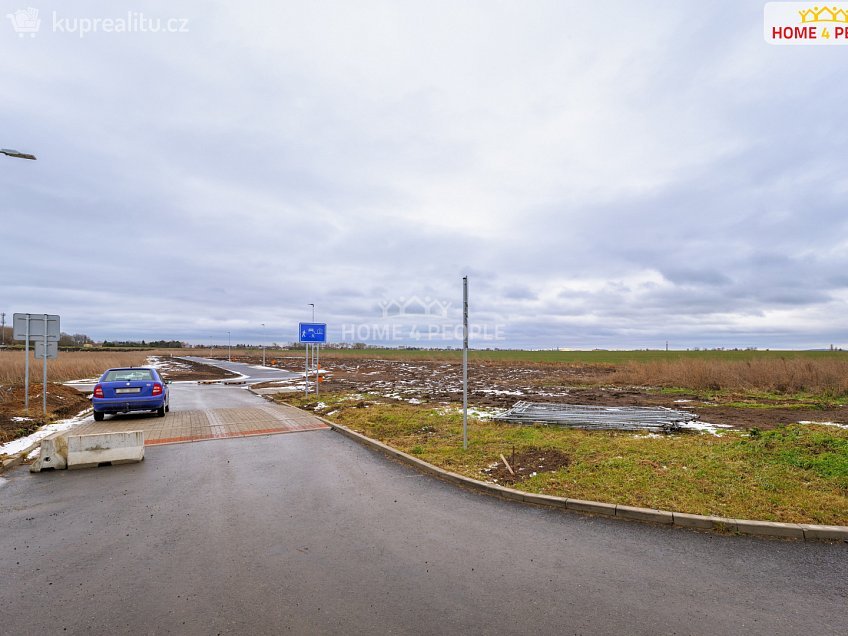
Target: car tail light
(98, 391)
(157, 389)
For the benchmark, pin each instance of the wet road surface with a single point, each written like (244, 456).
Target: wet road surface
(311, 533)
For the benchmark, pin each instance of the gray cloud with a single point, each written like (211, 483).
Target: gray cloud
(637, 179)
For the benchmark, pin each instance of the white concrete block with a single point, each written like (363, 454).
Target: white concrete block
(88, 451)
(52, 454)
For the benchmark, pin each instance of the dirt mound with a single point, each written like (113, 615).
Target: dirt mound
(179, 369)
(62, 402)
(528, 462)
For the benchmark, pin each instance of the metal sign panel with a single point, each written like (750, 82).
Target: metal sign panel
(312, 332)
(52, 349)
(36, 327)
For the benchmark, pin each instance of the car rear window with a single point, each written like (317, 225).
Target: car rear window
(128, 375)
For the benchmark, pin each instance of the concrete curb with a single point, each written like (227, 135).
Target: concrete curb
(804, 532)
(18, 458)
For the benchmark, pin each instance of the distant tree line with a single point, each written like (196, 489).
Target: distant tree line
(76, 340)
(158, 344)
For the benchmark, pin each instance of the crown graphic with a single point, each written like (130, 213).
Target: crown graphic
(824, 14)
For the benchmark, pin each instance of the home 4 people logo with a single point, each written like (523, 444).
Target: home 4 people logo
(805, 23)
(25, 21)
(414, 306)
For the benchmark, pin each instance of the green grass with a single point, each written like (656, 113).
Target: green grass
(797, 473)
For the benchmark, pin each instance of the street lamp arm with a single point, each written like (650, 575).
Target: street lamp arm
(16, 153)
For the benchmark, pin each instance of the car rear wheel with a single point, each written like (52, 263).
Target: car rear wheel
(160, 412)
(98, 417)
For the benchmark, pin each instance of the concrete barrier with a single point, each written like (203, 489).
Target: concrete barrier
(88, 451)
(52, 454)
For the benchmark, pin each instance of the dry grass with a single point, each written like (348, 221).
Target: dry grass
(827, 376)
(70, 365)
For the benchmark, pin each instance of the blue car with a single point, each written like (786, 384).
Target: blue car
(128, 390)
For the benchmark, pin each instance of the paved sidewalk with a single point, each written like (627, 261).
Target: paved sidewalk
(191, 426)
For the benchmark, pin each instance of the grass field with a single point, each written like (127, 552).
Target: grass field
(798, 473)
(600, 357)
(822, 373)
(70, 365)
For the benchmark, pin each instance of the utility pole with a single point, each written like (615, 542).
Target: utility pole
(263, 344)
(465, 362)
(229, 348)
(3, 328)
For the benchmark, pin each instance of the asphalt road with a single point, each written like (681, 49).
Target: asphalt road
(253, 373)
(311, 533)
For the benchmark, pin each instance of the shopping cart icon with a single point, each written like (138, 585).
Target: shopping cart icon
(25, 21)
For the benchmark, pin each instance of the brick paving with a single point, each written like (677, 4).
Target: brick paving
(191, 426)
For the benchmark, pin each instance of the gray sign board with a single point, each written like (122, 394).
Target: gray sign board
(52, 349)
(37, 327)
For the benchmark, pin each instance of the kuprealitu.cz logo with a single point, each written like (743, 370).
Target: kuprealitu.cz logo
(805, 23)
(27, 22)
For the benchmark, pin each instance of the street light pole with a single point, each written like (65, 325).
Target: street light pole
(263, 344)
(229, 348)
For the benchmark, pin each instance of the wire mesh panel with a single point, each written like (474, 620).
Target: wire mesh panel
(622, 418)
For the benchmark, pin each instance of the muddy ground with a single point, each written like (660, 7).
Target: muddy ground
(526, 463)
(172, 368)
(501, 384)
(62, 402)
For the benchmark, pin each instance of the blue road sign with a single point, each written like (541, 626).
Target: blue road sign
(312, 332)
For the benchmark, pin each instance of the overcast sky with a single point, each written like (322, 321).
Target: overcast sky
(611, 177)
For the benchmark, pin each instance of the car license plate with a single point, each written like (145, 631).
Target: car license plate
(132, 390)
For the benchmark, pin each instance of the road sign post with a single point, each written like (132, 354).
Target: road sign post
(312, 334)
(43, 327)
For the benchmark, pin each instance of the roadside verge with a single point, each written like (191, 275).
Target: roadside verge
(806, 532)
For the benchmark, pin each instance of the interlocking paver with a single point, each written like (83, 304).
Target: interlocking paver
(191, 426)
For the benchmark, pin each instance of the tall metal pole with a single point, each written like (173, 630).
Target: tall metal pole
(263, 344)
(465, 362)
(317, 368)
(26, 367)
(3, 329)
(44, 371)
(306, 372)
(229, 348)
(313, 311)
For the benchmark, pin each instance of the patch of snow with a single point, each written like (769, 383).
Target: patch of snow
(320, 405)
(414, 401)
(704, 427)
(22, 419)
(681, 401)
(501, 392)
(81, 381)
(836, 424)
(22, 443)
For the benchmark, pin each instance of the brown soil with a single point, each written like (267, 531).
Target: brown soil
(62, 402)
(502, 384)
(178, 369)
(527, 463)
